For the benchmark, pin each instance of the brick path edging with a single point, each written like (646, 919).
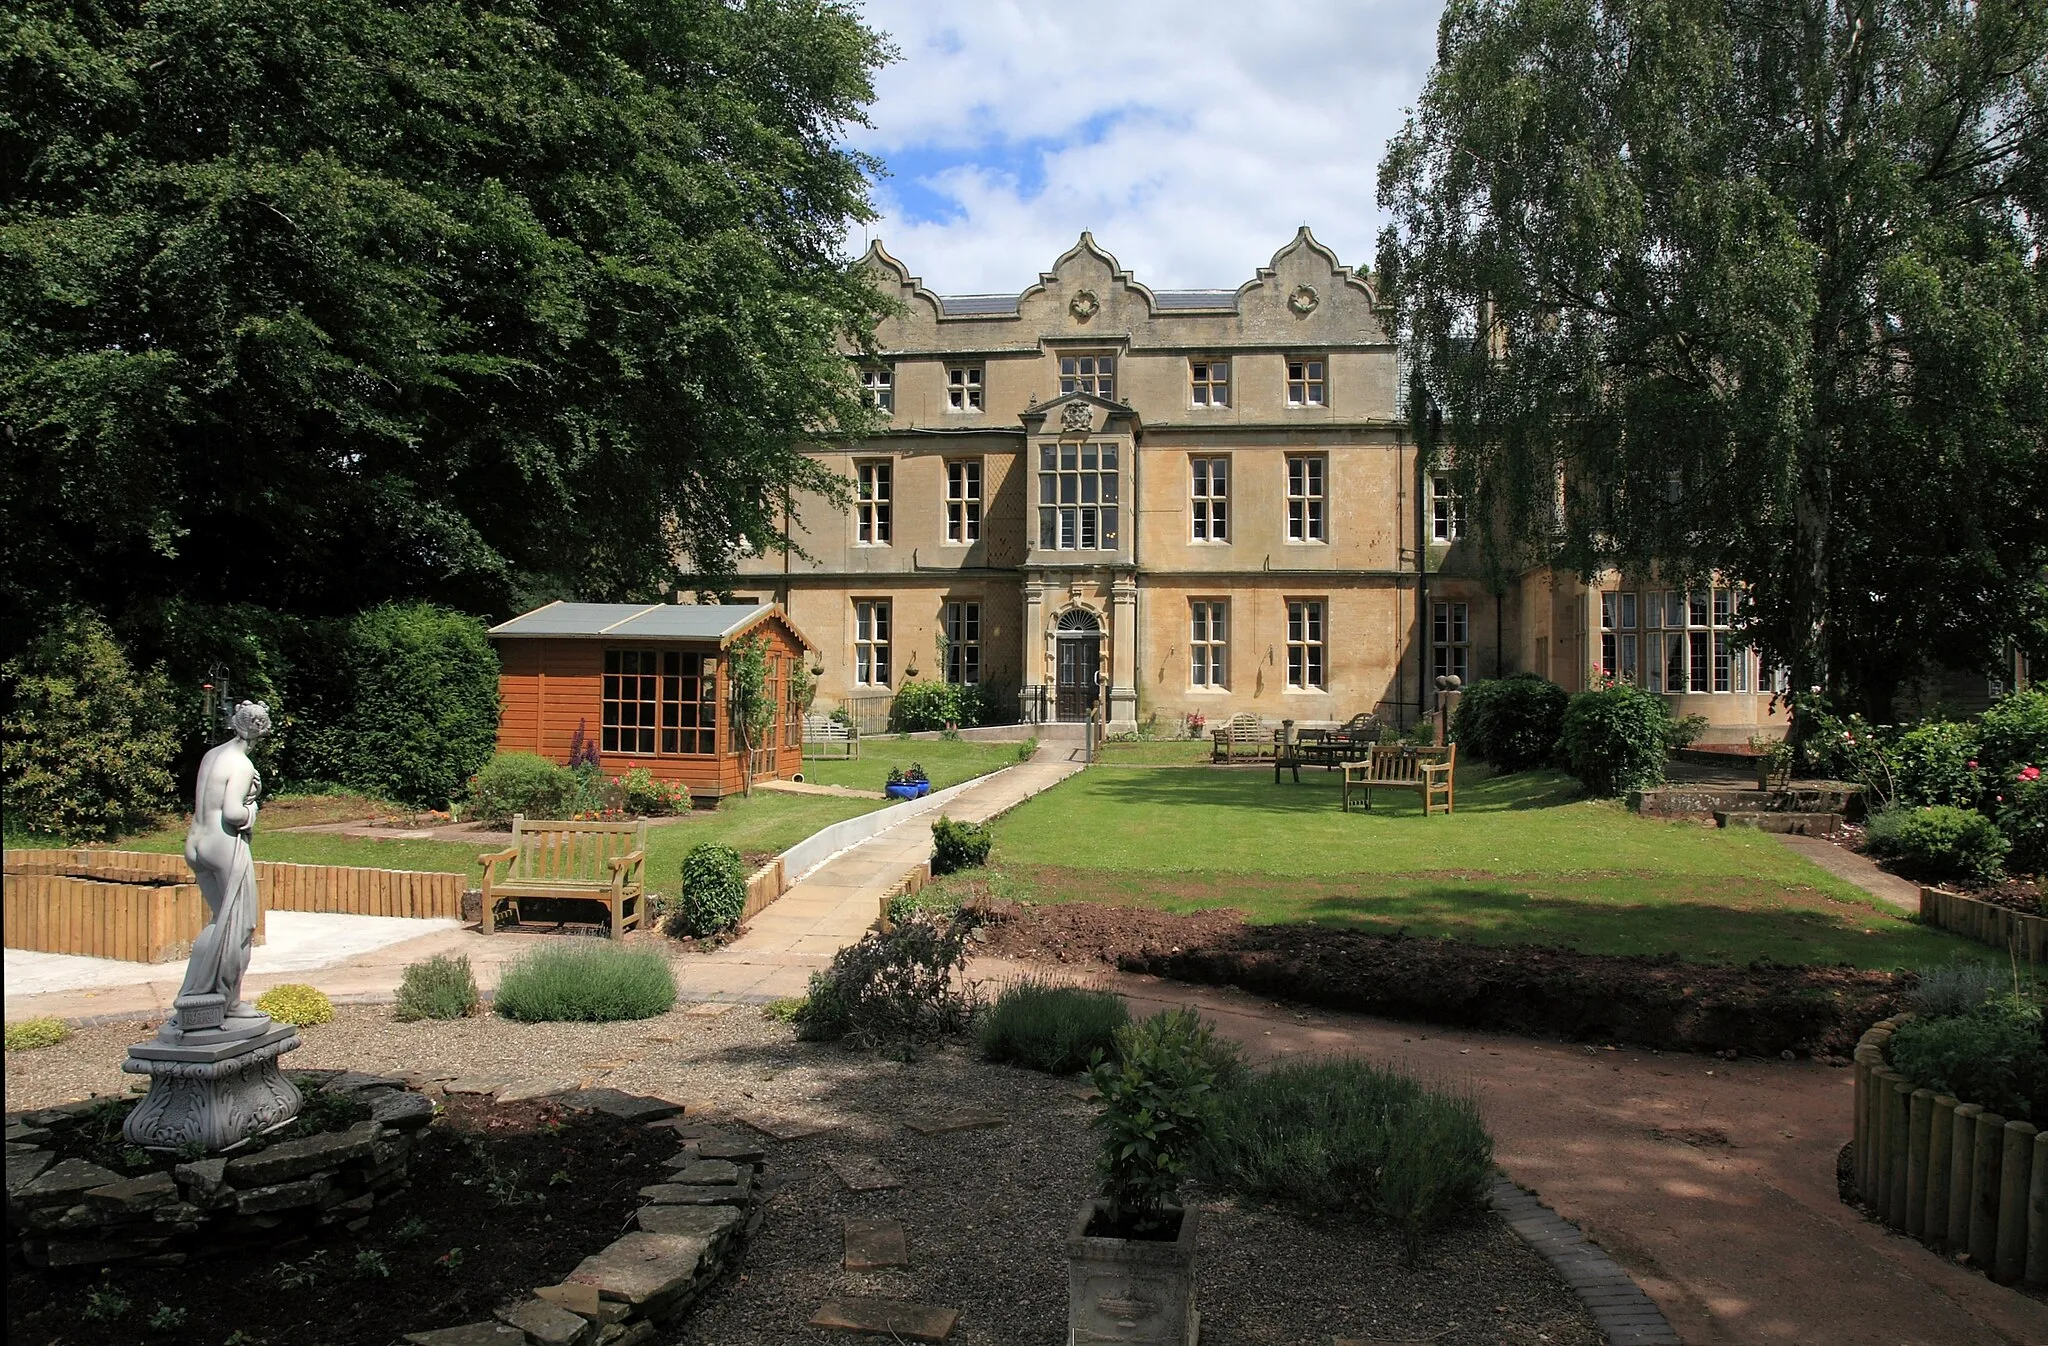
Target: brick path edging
(1625, 1315)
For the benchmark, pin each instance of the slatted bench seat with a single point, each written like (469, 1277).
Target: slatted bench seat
(827, 737)
(556, 867)
(1430, 772)
(1241, 736)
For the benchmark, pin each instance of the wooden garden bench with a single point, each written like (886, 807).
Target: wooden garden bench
(827, 737)
(557, 867)
(1396, 766)
(1241, 736)
(1348, 742)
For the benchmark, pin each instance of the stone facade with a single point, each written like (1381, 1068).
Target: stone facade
(1162, 503)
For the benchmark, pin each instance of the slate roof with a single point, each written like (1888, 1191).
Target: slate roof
(637, 621)
(978, 305)
(1195, 298)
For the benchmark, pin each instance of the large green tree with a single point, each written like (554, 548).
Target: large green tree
(314, 303)
(1754, 286)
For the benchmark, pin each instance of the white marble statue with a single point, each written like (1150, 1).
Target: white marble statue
(217, 848)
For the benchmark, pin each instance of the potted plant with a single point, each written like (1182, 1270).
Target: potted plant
(1131, 1251)
(917, 778)
(900, 785)
(1196, 723)
(1773, 760)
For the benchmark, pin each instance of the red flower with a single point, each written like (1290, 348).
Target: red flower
(2032, 773)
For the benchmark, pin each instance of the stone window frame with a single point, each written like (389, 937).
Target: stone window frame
(872, 638)
(1308, 640)
(1209, 498)
(878, 386)
(1308, 511)
(960, 620)
(1689, 636)
(1102, 514)
(1209, 644)
(965, 481)
(1308, 381)
(1208, 382)
(1098, 380)
(874, 497)
(1446, 508)
(1450, 639)
(964, 388)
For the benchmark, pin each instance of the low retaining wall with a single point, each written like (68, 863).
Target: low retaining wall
(820, 846)
(1986, 922)
(136, 922)
(764, 885)
(1958, 1178)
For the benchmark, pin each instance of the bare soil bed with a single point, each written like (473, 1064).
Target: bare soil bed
(1660, 1002)
(502, 1198)
(985, 1210)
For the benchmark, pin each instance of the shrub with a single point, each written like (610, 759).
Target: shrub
(1938, 843)
(893, 989)
(937, 900)
(586, 980)
(957, 846)
(1936, 763)
(714, 890)
(30, 1034)
(1056, 1029)
(2023, 817)
(1350, 1136)
(1958, 986)
(296, 1004)
(1991, 1056)
(421, 703)
(2013, 734)
(520, 782)
(1616, 738)
(921, 706)
(1158, 1101)
(1512, 722)
(642, 794)
(88, 739)
(441, 987)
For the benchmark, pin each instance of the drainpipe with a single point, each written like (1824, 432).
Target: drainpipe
(1425, 452)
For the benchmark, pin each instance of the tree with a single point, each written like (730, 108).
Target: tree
(750, 689)
(315, 303)
(1755, 287)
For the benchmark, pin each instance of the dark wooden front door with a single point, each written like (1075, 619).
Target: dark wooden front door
(1079, 659)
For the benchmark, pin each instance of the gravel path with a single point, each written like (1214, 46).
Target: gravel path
(986, 1210)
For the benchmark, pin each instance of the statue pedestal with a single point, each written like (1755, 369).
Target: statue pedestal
(214, 1086)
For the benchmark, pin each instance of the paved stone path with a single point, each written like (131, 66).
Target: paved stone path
(1858, 869)
(832, 907)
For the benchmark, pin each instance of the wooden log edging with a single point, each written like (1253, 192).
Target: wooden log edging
(1986, 922)
(1958, 1178)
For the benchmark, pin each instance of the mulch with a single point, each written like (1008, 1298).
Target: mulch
(503, 1198)
(1650, 1001)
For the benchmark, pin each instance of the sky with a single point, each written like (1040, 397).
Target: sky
(1191, 138)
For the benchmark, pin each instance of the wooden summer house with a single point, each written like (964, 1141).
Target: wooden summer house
(645, 684)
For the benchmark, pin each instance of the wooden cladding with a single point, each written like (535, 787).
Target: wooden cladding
(144, 907)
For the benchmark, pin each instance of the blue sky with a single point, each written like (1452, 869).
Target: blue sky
(1191, 139)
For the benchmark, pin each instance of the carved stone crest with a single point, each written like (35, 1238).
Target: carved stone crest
(1304, 300)
(1077, 416)
(1084, 305)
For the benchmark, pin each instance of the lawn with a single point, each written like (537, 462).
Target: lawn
(1157, 752)
(1523, 860)
(946, 763)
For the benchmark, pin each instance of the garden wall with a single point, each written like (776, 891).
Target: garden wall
(1958, 1178)
(1987, 923)
(140, 923)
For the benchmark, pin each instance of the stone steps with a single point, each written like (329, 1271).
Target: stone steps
(1797, 823)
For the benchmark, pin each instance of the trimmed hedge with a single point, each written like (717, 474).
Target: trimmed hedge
(960, 845)
(419, 686)
(1616, 739)
(1512, 722)
(521, 782)
(714, 890)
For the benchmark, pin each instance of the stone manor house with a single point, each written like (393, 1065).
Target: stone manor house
(1172, 503)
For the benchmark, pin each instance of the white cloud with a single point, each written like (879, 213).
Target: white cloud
(1192, 140)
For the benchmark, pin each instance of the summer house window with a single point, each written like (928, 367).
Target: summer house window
(1088, 374)
(878, 386)
(1207, 634)
(1451, 640)
(658, 700)
(1305, 498)
(1688, 641)
(871, 506)
(1211, 499)
(963, 387)
(871, 642)
(963, 501)
(1211, 382)
(1446, 509)
(631, 686)
(1077, 496)
(963, 642)
(1304, 645)
(1304, 382)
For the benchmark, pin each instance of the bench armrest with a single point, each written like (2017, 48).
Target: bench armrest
(495, 858)
(626, 861)
(1434, 768)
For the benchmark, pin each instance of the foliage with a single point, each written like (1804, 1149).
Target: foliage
(1991, 1056)
(2023, 817)
(29, 1034)
(441, 987)
(1958, 986)
(714, 890)
(2013, 734)
(1347, 1135)
(88, 739)
(522, 783)
(1938, 842)
(1512, 722)
(1616, 738)
(892, 990)
(960, 845)
(1158, 1102)
(324, 302)
(586, 980)
(922, 706)
(1936, 763)
(296, 1004)
(1699, 288)
(939, 900)
(641, 794)
(1057, 1029)
(752, 698)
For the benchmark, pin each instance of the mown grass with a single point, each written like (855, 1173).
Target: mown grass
(945, 763)
(1157, 752)
(1525, 859)
(586, 980)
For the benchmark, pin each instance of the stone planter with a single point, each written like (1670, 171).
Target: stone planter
(1131, 1290)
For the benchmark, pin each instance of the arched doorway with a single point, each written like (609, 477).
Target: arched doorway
(1078, 651)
